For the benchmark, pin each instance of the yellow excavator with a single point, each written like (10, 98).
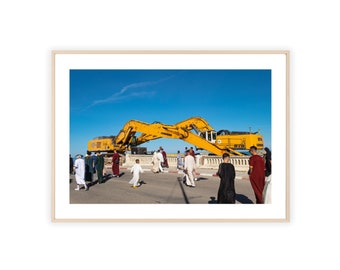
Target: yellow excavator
(205, 137)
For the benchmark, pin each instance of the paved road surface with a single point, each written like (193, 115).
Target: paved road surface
(161, 188)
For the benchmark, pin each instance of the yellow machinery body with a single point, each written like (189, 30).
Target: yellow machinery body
(236, 140)
(205, 137)
(102, 144)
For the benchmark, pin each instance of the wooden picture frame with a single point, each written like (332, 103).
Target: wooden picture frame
(277, 61)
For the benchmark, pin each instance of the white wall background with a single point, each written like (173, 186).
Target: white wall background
(29, 30)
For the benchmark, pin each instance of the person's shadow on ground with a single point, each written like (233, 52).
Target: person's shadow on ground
(239, 197)
(243, 199)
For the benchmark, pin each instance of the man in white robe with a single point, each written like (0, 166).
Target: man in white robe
(79, 167)
(160, 160)
(155, 163)
(189, 167)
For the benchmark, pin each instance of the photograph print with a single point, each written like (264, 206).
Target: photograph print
(194, 139)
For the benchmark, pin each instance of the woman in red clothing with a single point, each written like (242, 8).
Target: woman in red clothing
(115, 164)
(256, 173)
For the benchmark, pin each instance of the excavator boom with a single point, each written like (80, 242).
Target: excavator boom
(182, 130)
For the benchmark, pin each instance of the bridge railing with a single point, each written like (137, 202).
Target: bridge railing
(241, 163)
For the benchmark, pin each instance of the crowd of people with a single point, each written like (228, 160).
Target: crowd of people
(84, 169)
(259, 172)
(259, 175)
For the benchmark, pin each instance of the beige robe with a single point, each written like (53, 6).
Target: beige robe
(155, 163)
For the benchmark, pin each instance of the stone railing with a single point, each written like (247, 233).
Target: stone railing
(241, 163)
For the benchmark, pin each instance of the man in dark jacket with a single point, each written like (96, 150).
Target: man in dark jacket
(71, 164)
(99, 167)
(226, 172)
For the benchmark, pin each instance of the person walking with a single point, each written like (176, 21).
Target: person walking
(88, 167)
(71, 164)
(189, 167)
(268, 161)
(267, 194)
(71, 168)
(136, 170)
(99, 167)
(256, 174)
(115, 163)
(155, 163)
(226, 172)
(160, 160)
(92, 164)
(179, 160)
(165, 160)
(79, 167)
(192, 153)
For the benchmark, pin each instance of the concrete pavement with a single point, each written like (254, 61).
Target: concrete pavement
(160, 188)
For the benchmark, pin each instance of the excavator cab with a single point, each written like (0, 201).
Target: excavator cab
(209, 135)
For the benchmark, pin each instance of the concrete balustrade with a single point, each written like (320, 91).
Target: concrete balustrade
(241, 163)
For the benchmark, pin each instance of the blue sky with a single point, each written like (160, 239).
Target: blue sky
(102, 101)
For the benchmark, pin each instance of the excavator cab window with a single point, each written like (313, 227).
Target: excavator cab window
(210, 136)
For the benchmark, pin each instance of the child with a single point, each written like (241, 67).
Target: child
(136, 169)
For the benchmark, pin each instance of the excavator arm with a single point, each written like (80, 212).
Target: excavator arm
(194, 130)
(181, 130)
(149, 132)
(194, 123)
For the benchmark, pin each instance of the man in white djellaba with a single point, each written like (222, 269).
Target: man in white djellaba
(79, 167)
(136, 170)
(189, 167)
(160, 160)
(155, 163)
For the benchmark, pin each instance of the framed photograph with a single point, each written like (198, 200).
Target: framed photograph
(170, 136)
